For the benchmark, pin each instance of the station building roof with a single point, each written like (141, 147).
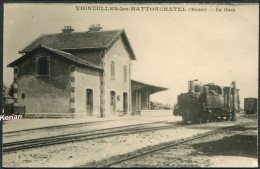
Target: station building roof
(136, 85)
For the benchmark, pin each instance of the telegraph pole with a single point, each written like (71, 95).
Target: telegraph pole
(234, 118)
(169, 98)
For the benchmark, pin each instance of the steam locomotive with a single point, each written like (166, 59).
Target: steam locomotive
(206, 103)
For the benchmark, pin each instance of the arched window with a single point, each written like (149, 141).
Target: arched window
(125, 73)
(112, 70)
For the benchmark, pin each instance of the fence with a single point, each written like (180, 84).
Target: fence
(10, 109)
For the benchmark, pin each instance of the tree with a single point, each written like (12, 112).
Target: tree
(11, 90)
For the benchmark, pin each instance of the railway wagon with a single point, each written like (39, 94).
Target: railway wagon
(210, 102)
(250, 105)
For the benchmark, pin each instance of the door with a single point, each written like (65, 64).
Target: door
(125, 102)
(89, 102)
(112, 102)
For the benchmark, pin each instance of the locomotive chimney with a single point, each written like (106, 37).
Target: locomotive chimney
(191, 86)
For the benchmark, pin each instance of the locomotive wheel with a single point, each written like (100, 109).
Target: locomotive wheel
(215, 115)
(184, 120)
(197, 120)
(200, 120)
(211, 118)
(222, 116)
(204, 117)
(185, 117)
(204, 120)
(216, 118)
(227, 117)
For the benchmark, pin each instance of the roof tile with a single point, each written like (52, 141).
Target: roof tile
(72, 57)
(66, 55)
(77, 40)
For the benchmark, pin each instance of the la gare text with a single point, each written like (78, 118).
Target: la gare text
(225, 10)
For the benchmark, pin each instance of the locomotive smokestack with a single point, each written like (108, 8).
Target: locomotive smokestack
(191, 86)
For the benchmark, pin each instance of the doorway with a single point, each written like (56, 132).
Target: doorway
(125, 102)
(112, 102)
(89, 102)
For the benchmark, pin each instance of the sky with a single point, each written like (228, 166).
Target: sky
(172, 47)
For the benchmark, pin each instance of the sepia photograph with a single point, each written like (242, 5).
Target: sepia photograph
(124, 85)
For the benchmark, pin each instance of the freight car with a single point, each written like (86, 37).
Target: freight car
(250, 105)
(209, 102)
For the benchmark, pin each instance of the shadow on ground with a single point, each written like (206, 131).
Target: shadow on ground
(238, 145)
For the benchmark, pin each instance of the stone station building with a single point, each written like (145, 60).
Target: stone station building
(71, 74)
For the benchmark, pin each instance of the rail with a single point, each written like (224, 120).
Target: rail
(170, 145)
(90, 135)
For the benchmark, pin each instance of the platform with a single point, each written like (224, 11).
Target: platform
(25, 124)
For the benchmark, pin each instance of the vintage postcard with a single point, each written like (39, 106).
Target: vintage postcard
(130, 85)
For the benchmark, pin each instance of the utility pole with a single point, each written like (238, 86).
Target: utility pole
(169, 97)
(234, 101)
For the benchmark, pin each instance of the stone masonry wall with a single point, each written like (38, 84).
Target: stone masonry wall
(121, 57)
(87, 79)
(46, 94)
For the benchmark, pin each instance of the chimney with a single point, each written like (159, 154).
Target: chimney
(67, 29)
(191, 86)
(95, 28)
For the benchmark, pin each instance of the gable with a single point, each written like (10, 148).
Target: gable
(118, 49)
(66, 55)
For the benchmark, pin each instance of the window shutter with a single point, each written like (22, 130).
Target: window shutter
(48, 65)
(37, 66)
(125, 73)
(43, 66)
(112, 70)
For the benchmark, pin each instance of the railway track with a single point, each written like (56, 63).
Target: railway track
(55, 127)
(82, 136)
(83, 124)
(171, 145)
